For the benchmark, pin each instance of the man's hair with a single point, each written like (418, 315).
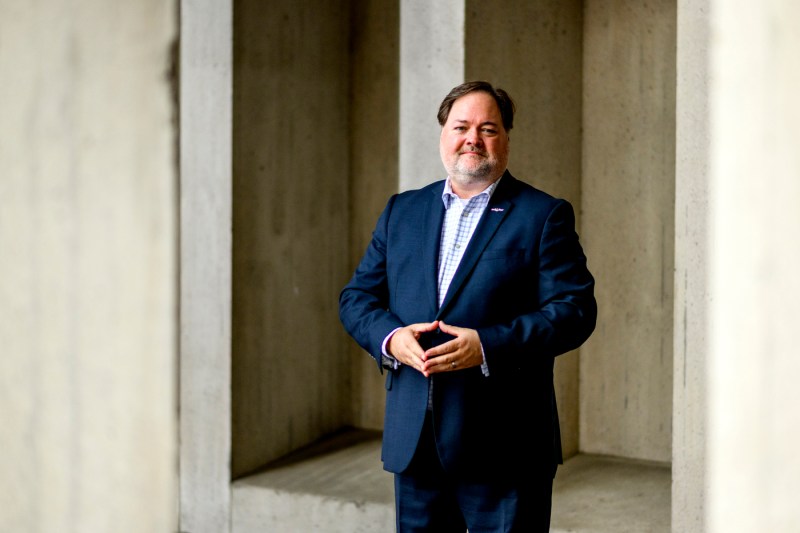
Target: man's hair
(504, 101)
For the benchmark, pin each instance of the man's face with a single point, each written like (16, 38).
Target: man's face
(474, 144)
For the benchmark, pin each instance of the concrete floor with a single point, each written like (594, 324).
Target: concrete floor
(339, 486)
(595, 494)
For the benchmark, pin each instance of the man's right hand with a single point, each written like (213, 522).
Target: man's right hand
(404, 344)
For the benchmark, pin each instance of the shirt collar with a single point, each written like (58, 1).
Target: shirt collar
(448, 195)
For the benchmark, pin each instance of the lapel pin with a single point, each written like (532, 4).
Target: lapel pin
(498, 209)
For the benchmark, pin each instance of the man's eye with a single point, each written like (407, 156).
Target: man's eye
(490, 131)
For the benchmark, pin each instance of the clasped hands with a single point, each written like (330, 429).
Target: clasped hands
(464, 351)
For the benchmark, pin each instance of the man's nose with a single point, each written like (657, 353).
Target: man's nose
(474, 137)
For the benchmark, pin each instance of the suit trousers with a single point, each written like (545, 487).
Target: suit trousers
(428, 499)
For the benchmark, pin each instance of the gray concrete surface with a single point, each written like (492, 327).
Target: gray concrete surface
(290, 360)
(339, 486)
(627, 225)
(597, 494)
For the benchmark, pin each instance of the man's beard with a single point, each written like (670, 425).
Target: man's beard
(472, 173)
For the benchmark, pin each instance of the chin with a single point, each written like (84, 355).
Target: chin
(475, 175)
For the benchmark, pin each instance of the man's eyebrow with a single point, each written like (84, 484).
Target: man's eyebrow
(486, 123)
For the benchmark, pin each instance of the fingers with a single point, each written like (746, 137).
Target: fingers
(441, 364)
(464, 351)
(450, 330)
(444, 358)
(452, 362)
(404, 344)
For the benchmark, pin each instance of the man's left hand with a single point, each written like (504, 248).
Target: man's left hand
(462, 352)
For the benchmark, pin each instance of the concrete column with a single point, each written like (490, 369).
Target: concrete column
(753, 364)
(431, 63)
(88, 210)
(691, 263)
(205, 255)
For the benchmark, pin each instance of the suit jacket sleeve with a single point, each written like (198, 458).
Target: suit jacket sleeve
(364, 301)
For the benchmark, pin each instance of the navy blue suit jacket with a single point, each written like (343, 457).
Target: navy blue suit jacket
(523, 284)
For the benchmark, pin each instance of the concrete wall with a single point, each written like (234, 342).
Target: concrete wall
(533, 50)
(290, 364)
(88, 311)
(628, 225)
(754, 310)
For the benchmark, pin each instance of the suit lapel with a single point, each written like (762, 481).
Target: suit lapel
(498, 209)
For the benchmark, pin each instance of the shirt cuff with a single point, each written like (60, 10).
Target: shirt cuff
(387, 361)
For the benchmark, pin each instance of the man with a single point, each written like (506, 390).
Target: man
(467, 292)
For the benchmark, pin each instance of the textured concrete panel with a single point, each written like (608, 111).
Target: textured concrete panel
(628, 225)
(290, 364)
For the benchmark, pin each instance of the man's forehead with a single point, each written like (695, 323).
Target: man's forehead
(459, 112)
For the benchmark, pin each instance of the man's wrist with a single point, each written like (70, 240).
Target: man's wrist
(387, 359)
